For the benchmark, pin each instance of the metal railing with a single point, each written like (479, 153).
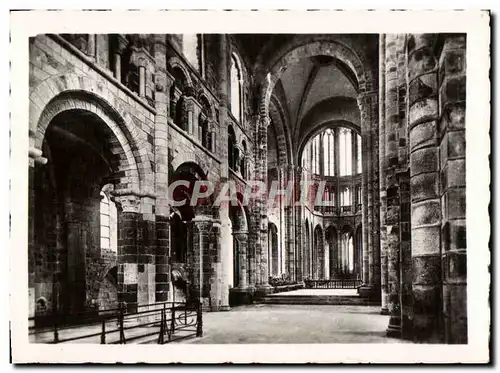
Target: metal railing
(333, 284)
(168, 321)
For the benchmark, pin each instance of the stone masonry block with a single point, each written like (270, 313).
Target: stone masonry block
(425, 213)
(424, 160)
(425, 241)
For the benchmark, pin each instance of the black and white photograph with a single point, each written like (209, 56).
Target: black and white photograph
(235, 189)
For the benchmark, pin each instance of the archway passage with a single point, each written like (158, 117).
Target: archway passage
(83, 156)
(184, 234)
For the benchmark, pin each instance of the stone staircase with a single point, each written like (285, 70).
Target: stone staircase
(345, 300)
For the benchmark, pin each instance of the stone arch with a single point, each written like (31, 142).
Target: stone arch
(239, 218)
(333, 109)
(206, 104)
(188, 158)
(303, 47)
(175, 62)
(69, 92)
(319, 129)
(283, 138)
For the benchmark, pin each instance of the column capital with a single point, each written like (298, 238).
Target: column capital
(127, 202)
(204, 222)
(241, 235)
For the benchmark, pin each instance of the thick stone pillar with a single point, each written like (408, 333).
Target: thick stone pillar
(199, 262)
(260, 213)
(424, 179)
(290, 225)
(299, 243)
(452, 86)
(392, 187)
(35, 160)
(215, 260)
(163, 84)
(382, 166)
(128, 268)
(368, 105)
(228, 259)
(404, 190)
(243, 293)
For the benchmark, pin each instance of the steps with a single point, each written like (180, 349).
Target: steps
(351, 300)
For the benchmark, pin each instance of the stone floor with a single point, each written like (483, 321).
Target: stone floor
(295, 324)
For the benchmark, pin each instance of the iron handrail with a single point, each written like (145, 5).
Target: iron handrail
(177, 320)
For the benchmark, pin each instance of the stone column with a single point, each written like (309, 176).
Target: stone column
(424, 179)
(403, 177)
(391, 184)
(200, 263)
(242, 239)
(142, 81)
(382, 166)
(452, 86)
(371, 255)
(260, 213)
(216, 271)
(299, 248)
(91, 46)
(146, 253)
(128, 272)
(122, 43)
(289, 224)
(365, 164)
(163, 83)
(35, 159)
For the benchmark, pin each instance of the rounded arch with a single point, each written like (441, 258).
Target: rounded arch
(238, 217)
(72, 92)
(280, 125)
(185, 159)
(323, 126)
(333, 109)
(206, 107)
(176, 63)
(304, 47)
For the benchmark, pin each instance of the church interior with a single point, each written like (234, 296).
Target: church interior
(375, 123)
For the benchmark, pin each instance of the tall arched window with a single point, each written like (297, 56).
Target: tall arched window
(108, 220)
(328, 153)
(318, 155)
(192, 49)
(231, 139)
(236, 87)
(345, 151)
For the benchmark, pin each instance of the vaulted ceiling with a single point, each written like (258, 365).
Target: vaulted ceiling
(311, 81)
(312, 91)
